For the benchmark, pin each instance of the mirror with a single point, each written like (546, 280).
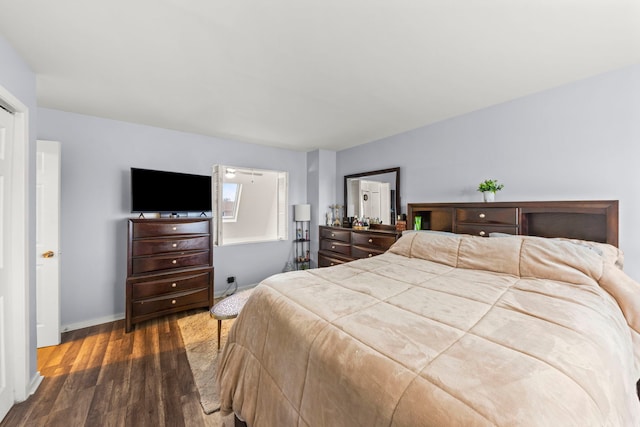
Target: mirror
(374, 194)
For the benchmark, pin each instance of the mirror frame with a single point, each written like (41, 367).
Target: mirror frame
(376, 172)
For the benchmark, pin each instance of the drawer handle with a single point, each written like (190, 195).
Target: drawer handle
(175, 261)
(175, 228)
(333, 247)
(173, 301)
(370, 240)
(173, 285)
(333, 235)
(482, 233)
(175, 245)
(370, 255)
(482, 215)
(331, 264)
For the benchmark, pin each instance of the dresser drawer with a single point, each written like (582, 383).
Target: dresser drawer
(157, 246)
(365, 252)
(335, 246)
(170, 302)
(170, 284)
(168, 262)
(325, 260)
(487, 215)
(169, 228)
(380, 241)
(338, 246)
(485, 229)
(335, 234)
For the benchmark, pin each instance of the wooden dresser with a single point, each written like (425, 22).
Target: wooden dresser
(340, 245)
(169, 267)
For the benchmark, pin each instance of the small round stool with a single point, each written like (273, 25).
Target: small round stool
(229, 308)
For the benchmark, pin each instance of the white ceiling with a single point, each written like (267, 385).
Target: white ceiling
(304, 75)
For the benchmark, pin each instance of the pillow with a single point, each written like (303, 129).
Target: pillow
(522, 256)
(607, 252)
(496, 234)
(444, 233)
(437, 246)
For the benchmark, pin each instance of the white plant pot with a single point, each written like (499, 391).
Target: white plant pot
(489, 196)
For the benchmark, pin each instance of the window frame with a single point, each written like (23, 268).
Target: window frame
(236, 201)
(268, 221)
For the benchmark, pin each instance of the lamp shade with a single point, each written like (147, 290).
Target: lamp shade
(302, 212)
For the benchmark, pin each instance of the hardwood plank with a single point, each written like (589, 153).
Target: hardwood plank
(46, 395)
(115, 418)
(104, 376)
(76, 414)
(113, 360)
(100, 404)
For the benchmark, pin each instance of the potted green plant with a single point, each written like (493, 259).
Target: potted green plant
(488, 189)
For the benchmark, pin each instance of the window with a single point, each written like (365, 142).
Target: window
(250, 205)
(230, 201)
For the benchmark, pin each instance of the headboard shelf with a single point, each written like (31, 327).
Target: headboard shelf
(595, 220)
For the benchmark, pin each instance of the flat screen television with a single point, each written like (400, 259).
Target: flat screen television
(169, 192)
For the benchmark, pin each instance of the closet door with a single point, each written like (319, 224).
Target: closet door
(6, 277)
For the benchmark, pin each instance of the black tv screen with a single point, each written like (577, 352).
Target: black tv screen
(169, 192)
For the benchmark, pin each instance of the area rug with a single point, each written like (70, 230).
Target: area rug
(200, 342)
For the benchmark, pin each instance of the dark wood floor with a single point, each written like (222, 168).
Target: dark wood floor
(102, 376)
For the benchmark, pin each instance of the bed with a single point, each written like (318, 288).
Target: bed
(442, 329)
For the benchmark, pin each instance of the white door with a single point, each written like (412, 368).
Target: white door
(374, 199)
(6, 146)
(365, 199)
(48, 243)
(385, 203)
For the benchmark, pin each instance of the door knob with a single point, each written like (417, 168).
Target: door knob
(48, 254)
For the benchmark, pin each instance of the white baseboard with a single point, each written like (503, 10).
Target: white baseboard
(240, 288)
(120, 316)
(92, 322)
(35, 383)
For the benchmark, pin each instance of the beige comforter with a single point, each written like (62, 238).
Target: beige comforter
(441, 330)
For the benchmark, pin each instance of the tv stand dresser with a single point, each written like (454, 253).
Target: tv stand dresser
(169, 267)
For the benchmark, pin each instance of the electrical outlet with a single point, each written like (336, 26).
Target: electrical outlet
(231, 279)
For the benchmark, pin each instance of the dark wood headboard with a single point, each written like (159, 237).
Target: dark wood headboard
(595, 220)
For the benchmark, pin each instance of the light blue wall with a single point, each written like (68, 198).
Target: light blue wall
(17, 78)
(97, 155)
(579, 141)
(321, 184)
